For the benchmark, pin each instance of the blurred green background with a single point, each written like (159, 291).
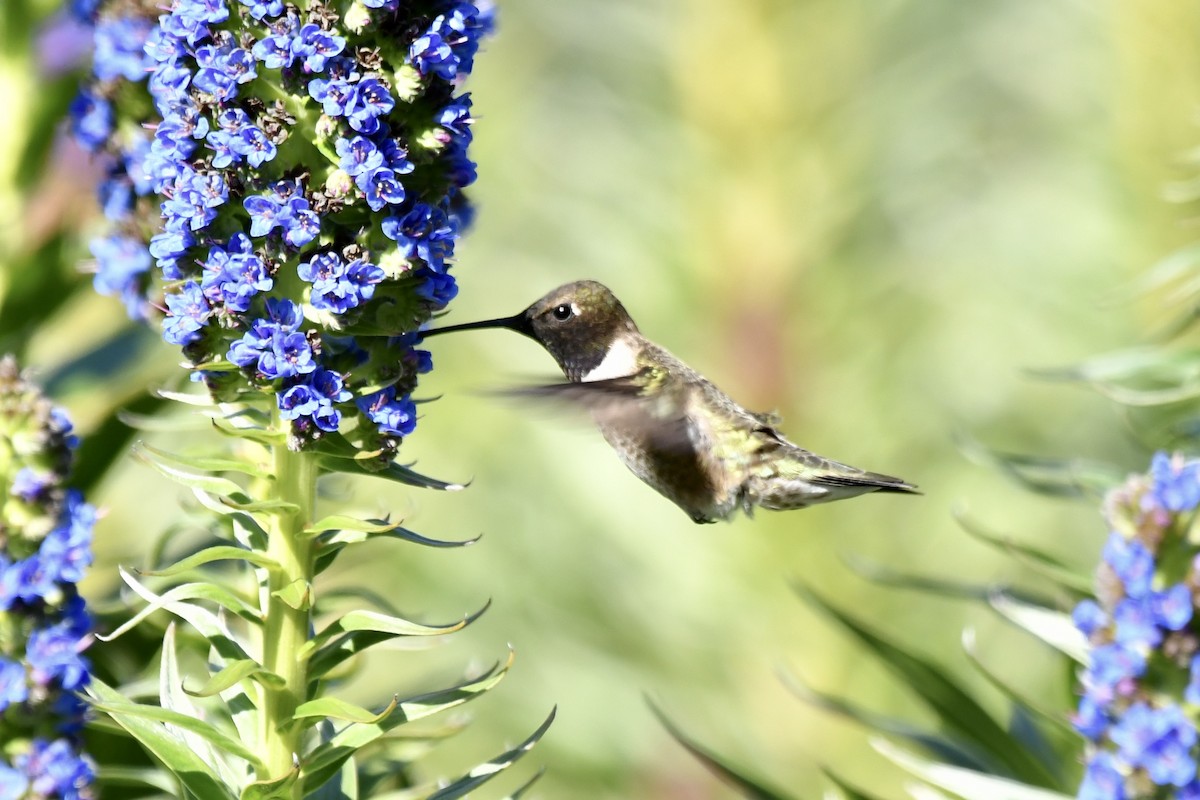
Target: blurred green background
(871, 216)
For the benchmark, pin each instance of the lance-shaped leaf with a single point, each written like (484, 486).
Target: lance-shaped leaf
(1147, 376)
(1057, 477)
(277, 789)
(954, 752)
(1057, 721)
(963, 782)
(955, 707)
(490, 769)
(162, 423)
(233, 673)
(172, 697)
(138, 777)
(174, 599)
(196, 776)
(1037, 560)
(357, 630)
(254, 433)
(326, 759)
(749, 787)
(334, 708)
(1052, 627)
(845, 789)
(957, 590)
(177, 471)
(208, 624)
(209, 555)
(342, 529)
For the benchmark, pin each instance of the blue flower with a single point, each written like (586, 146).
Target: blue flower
(339, 287)
(1192, 692)
(91, 119)
(1102, 780)
(1175, 483)
(1132, 563)
(264, 8)
(54, 659)
(392, 416)
(188, 312)
(438, 288)
(1089, 617)
(371, 100)
(1136, 623)
(311, 402)
(120, 48)
(316, 46)
(425, 232)
(122, 263)
(254, 145)
(380, 187)
(234, 275)
(14, 687)
(358, 155)
(1111, 671)
(1173, 608)
(1158, 740)
(55, 769)
(1090, 718)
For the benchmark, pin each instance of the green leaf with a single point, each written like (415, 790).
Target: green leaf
(488, 770)
(357, 630)
(1052, 627)
(191, 770)
(235, 672)
(886, 576)
(845, 789)
(749, 787)
(119, 710)
(140, 777)
(162, 423)
(963, 782)
(1146, 376)
(175, 469)
(1049, 476)
(297, 594)
(276, 789)
(946, 749)
(350, 530)
(326, 759)
(1041, 562)
(955, 707)
(198, 400)
(333, 708)
(249, 431)
(1057, 720)
(173, 601)
(172, 698)
(336, 454)
(209, 555)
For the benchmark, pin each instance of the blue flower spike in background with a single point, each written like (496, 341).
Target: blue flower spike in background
(283, 198)
(1140, 689)
(45, 546)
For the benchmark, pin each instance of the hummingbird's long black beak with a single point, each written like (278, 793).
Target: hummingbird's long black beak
(519, 323)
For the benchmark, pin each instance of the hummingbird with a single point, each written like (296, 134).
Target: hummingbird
(670, 425)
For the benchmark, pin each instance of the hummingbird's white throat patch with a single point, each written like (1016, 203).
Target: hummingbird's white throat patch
(619, 361)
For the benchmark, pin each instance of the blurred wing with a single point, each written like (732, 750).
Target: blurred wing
(638, 404)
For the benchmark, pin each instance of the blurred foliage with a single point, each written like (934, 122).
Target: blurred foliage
(875, 217)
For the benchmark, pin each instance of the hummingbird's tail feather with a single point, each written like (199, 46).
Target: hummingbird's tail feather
(873, 481)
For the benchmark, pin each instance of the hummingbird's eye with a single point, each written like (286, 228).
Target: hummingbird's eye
(562, 313)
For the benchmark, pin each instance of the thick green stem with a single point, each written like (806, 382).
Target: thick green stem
(287, 626)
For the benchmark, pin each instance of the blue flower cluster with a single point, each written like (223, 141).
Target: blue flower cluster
(1141, 686)
(45, 546)
(300, 172)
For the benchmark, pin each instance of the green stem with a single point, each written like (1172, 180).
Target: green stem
(286, 628)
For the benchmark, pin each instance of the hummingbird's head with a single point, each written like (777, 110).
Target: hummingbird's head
(577, 323)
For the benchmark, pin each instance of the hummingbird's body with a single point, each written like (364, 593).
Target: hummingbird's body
(672, 427)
